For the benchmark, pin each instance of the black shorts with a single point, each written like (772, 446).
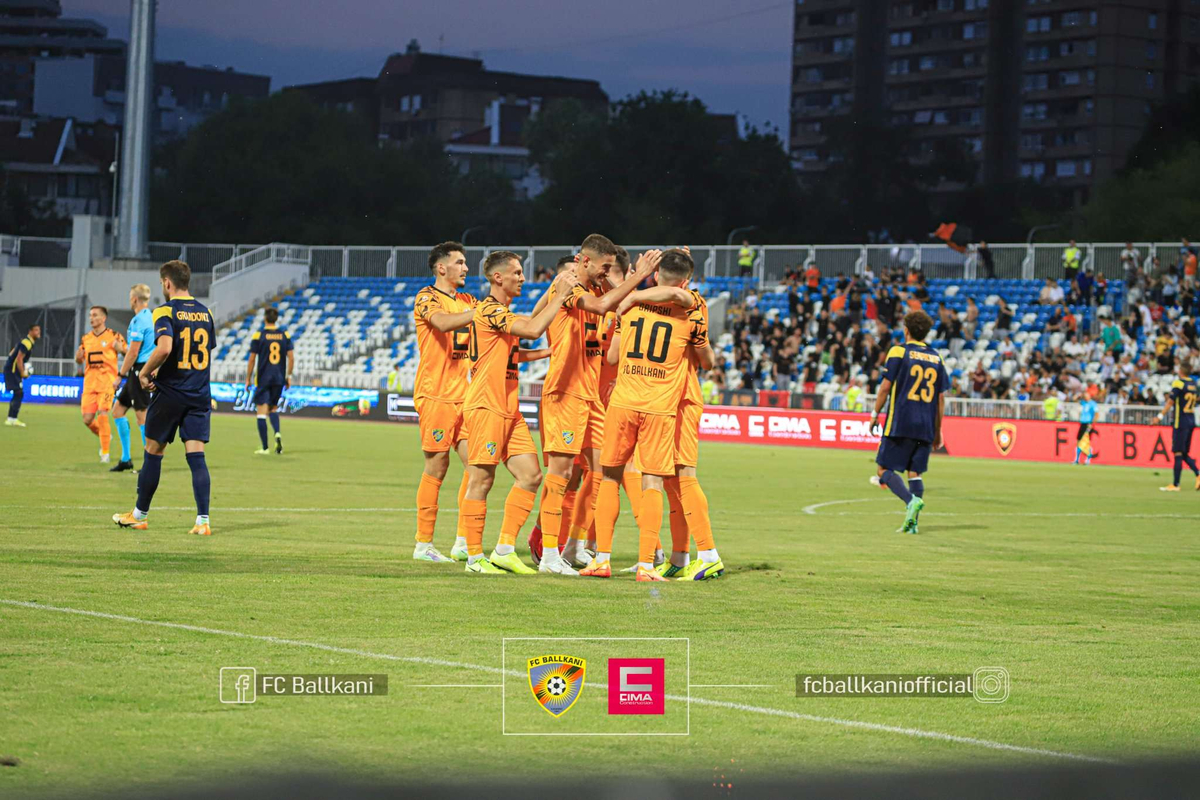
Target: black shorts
(12, 381)
(132, 395)
(1084, 427)
(268, 395)
(166, 415)
(903, 455)
(1181, 439)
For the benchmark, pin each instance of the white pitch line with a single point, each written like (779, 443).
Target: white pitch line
(813, 508)
(775, 712)
(298, 510)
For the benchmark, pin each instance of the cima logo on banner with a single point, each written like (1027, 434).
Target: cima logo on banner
(637, 686)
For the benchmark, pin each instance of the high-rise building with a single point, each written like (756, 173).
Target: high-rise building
(1054, 91)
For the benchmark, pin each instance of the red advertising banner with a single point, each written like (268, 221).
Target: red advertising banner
(1014, 440)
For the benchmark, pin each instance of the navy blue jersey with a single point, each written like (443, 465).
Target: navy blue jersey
(918, 379)
(184, 375)
(271, 345)
(24, 348)
(1185, 395)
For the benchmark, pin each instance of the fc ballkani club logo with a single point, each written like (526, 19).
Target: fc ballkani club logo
(556, 682)
(439, 434)
(1004, 436)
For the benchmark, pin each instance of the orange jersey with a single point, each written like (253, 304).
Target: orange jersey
(100, 355)
(494, 371)
(443, 366)
(575, 351)
(691, 389)
(608, 372)
(655, 342)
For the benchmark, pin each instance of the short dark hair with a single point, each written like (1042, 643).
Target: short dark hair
(676, 265)
(442, 250)
(271, 315)
(918, 324)
(177, 272)
(34, 325)
(622, 258)
(563, 263)
(599, 243)
(495, 259)
(103, 309)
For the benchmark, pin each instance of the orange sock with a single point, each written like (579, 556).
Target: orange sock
(649, 521)
(608, 505)
(427, 507)
(105, 432)
(94, 426)
(553, 500)
(679, 528)
(462, 497)
(583, 526)
(568, 515)
(472, 517)
(695, 509)
(632, 479)
(517, 508)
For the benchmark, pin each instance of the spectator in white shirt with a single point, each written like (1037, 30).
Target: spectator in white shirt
(1131, 259)
(1051, 293)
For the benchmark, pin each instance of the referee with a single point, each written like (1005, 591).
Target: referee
(132, 395)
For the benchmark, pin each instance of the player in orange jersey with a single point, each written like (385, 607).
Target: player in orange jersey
(653, 343)
(98, 353)
(572, 417)
(442, 315)
(496, 430)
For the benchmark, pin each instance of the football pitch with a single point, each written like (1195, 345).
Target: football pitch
(1082, 582)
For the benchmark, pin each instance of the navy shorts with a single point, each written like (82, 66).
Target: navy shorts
(903, 455)
(1181, 439)
(268, 395)
(166, 415)
(12, 382)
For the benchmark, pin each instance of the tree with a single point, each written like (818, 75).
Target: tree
(1157, 204)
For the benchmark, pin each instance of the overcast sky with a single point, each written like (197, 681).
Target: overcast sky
(733, 56)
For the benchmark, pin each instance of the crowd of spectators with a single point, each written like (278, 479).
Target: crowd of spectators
(841, 335)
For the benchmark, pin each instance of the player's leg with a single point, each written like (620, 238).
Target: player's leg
(521, 459)
(260, 413)
(582, 513)
(687, 455)
(120, 409)
(708, 563)
(620, 438)
(486, 431)
(141, 418)
(273, 414)
(194, 430)
(162, 422)
(439, 423)
(14, 405)
(458, 551)
(656, 450)
(104, 431)
(918, 465)
(680, 537)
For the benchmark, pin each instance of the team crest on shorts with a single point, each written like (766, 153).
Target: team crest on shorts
(439, 434)
(491, 448)
(1004, 436)
(556, 682)
(568, 436)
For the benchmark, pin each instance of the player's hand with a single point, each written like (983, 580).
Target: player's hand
(647, 263)
(566, 280)
(116, 384)
(625, 305)
(873, 421)
(287, 382)
(939, 442)
(147, 381)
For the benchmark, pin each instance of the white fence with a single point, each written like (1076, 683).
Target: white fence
(1023, 409)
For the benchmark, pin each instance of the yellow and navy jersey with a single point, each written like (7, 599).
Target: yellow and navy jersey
(271, 346)
(918, 379)
(184, 375)
(1185, 395)
(23, 348)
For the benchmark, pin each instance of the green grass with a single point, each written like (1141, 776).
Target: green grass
(1083, 582)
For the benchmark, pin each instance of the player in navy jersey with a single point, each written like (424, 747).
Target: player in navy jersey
(1181, 410)
(913, 385)
(177, 375)
(272, 349)
(16, 369)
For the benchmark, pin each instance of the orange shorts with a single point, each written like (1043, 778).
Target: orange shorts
(652, 435)
(441, 423)
(495, 438)
(571, 424)
(97, 396)
(687, 434)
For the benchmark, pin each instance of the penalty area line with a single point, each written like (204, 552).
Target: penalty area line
(742, 707)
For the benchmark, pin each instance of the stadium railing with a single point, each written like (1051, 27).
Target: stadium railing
(1022, 409)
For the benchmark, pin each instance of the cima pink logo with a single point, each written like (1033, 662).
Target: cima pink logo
(636, 686)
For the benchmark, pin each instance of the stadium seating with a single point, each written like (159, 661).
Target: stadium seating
(363, 326)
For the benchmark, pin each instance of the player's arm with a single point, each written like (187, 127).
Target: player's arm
(445, 321)
(79, 353)
(541, 303)
(646, 264)
(1166, 407)
(658, 294)
(937, 420)
(532, 355)
(614, 348)
(705, 356)
(881, 396)
(162, 351)
(131, 354)
(291, 367)
(19, 363)
(250, 367)
(533, 327)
